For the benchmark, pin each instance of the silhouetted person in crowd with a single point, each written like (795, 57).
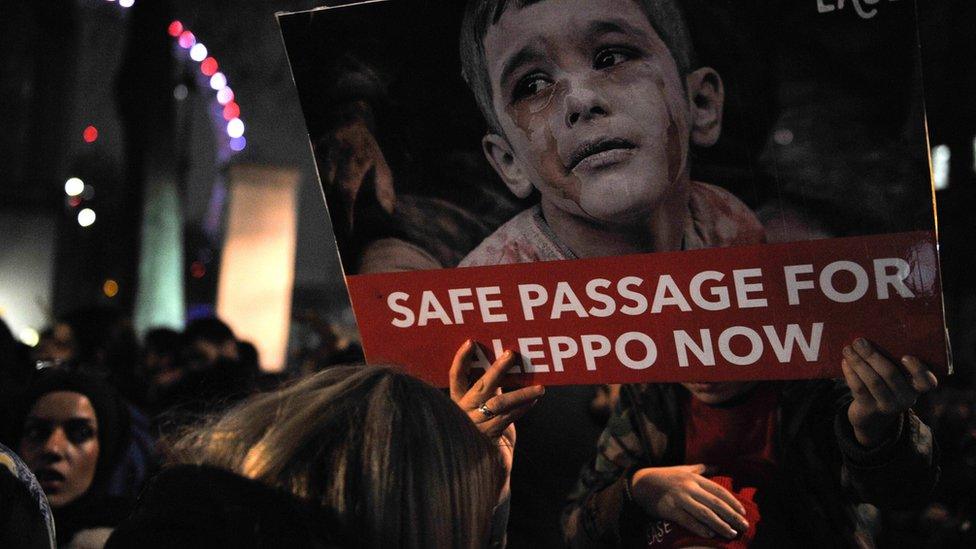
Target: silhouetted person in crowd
(207, 341)
(160, 363)
(212, 378)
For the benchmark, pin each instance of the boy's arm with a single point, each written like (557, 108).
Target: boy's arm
(889, 455)
(599, 501)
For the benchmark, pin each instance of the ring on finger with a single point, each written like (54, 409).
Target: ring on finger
(486, 411)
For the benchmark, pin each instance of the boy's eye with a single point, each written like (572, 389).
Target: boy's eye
(610, 57)
(530, 85)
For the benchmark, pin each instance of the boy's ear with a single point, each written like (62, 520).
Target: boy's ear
(500, 156)
(706, 96)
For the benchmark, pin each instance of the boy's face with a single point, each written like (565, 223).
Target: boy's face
(593, 110)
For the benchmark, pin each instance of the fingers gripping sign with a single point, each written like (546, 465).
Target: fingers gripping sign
(488, 407)
(882, 390)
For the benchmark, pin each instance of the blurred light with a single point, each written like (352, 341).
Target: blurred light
(74, 187)
(29, 336)
(74, 201)
(208, 66)
(940, 166)
(174, 29)
(198, 52)
(238, 143)
(180, 92)
(225, 95)
(218, 81)
(231, 110)
(90, 134)
(110, 288)
(127, 3)
(783, 137)
(235, 128)
(88, 193)
(187, 39)
(197, 269)
(86, 217)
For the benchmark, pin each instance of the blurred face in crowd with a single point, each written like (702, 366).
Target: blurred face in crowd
(201, 354)
(57, 345)
(60, 445)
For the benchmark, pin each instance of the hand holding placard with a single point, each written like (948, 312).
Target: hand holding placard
(882, 391)
(493, 412)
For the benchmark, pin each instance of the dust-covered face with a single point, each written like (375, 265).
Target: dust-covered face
(592, 106)
(60, 445)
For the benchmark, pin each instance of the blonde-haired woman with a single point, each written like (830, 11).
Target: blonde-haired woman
(354, 456)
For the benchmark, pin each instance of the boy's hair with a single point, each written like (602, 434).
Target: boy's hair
(664, 16)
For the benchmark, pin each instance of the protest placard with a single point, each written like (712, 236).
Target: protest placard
(621, 194)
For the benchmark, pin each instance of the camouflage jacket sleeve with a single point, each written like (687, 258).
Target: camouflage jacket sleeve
(598, 503)
(898, 473)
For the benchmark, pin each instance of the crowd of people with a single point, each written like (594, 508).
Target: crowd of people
(218, 454)
(210, 452)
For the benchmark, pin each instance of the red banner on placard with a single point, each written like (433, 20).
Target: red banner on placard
(774, 311)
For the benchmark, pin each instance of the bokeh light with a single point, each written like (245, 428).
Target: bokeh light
(127, 3)
(208, 66)
(180, 92)
(175, 28)
(86, 217)
(237, 144)
(235, 128)
(74, 186)
(218, 81)
(198, 52)
(225, 95)
(90, 134)
(110, 288)
(231, 110)
(187, 40)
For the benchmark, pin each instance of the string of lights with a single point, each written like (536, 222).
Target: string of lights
(209, 70)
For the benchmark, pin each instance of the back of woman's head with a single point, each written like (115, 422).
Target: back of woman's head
(389, 458)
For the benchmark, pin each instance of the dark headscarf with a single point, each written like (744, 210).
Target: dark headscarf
(110, 411)
(94, 509)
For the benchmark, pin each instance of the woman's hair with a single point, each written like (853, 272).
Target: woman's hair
(390, 459)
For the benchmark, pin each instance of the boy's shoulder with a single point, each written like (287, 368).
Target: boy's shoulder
(719, 219)
(523, 239)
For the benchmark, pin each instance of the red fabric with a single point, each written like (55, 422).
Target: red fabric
(734, 439)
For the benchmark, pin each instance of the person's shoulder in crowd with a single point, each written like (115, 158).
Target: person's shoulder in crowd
(201, 506)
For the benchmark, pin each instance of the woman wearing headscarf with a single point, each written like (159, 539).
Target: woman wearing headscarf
(72, 428)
